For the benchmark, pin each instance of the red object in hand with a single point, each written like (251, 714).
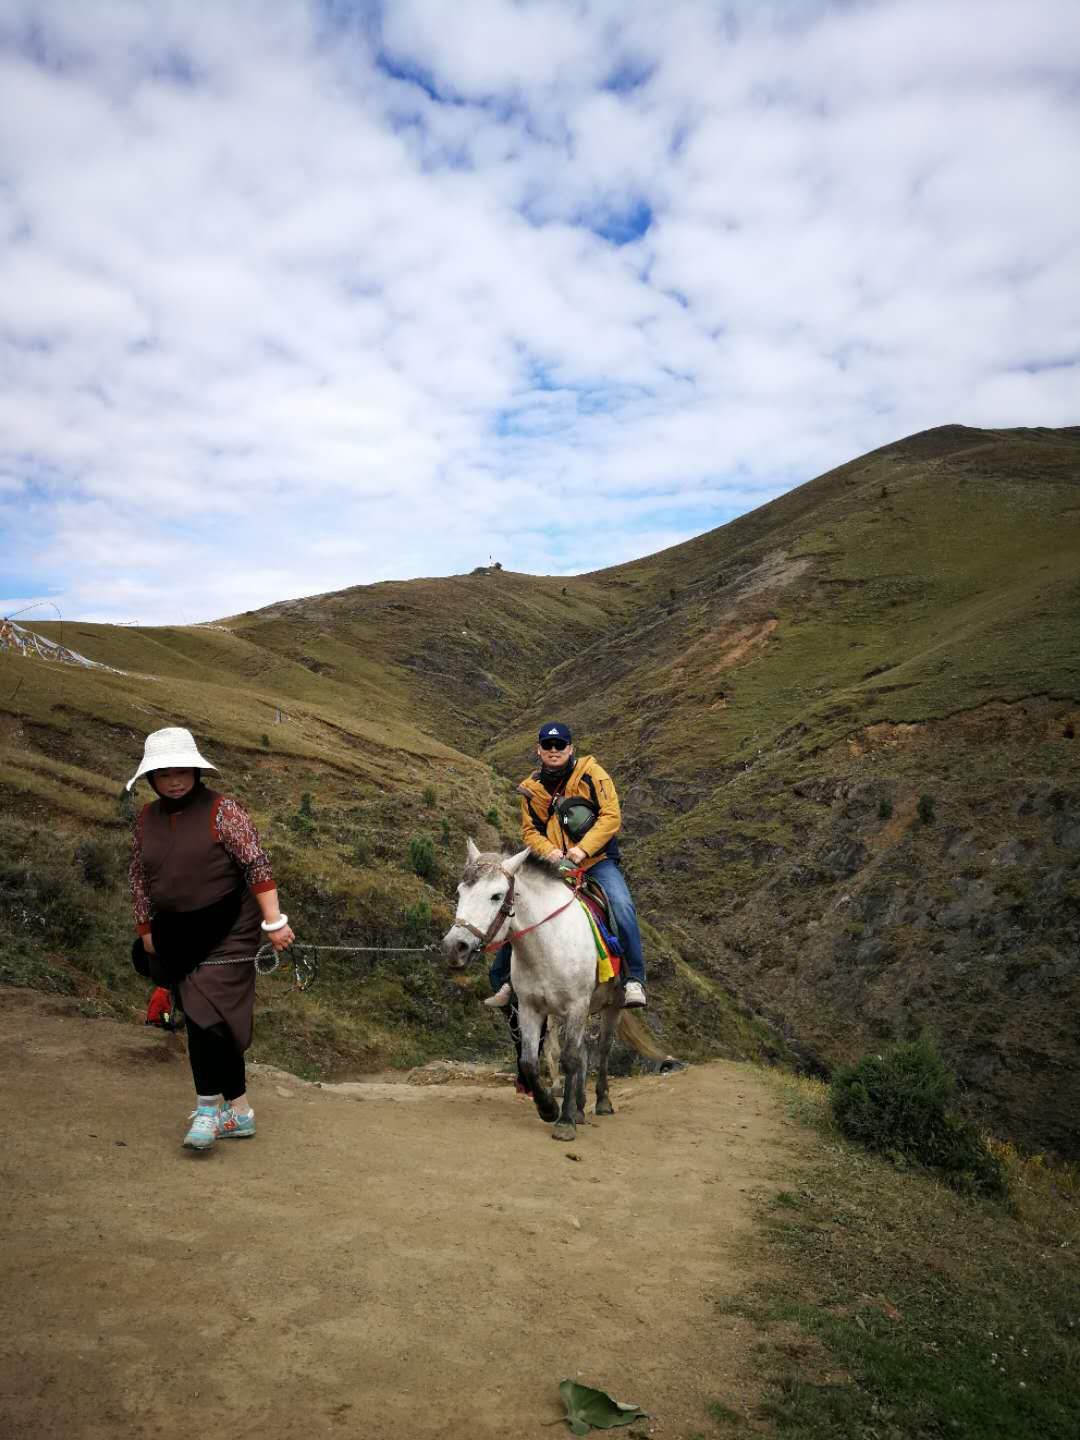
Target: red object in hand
(159, 1010)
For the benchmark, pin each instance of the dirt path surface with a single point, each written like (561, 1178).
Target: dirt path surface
(386, 1260)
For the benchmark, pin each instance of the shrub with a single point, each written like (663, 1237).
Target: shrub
(884, 809)
(926, 809)
(265, 741)
(445, 837)
(898, 1105)
(422, 857)
(302, 821)
(95, 861)
(429, 795)
(492, 817)
(418, 923)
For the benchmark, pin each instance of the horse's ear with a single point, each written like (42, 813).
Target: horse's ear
(470, 849)
(514, 864)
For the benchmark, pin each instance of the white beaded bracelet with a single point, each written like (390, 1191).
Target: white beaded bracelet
(274, 925)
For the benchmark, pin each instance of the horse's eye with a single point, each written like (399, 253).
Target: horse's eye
(496, 896)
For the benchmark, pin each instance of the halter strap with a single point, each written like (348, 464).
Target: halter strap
(504, 912)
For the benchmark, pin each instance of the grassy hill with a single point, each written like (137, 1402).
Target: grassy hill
(843, 727)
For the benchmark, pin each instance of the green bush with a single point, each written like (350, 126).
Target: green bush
(96, 862)
(302, 821)
(926, 809)
(266, 741)
(898, 1104)
(445, 837)
(492, 817)
(422, 857)
(418, 923)
(429, 795)
(884, 809)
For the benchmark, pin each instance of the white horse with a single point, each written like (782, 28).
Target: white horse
(553, 970)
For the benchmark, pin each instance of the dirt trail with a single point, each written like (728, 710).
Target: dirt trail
(398, 1260)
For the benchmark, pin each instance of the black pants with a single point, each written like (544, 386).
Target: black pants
(216, 1064)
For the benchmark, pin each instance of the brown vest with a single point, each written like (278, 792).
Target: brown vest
(187, 868)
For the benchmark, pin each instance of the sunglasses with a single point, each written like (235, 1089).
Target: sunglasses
(554, 744)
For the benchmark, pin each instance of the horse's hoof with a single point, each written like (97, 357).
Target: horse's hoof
(548, 1112)
(604, 1107)
(579, 1117)
(564, 1131)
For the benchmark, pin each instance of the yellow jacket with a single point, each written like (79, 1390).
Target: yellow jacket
(540, 828)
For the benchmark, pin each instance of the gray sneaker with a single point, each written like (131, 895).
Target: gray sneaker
(501, 998)
(634, 995)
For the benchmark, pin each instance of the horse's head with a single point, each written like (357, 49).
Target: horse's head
(485, 907)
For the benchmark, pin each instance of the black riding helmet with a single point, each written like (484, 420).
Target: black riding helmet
(576, 815)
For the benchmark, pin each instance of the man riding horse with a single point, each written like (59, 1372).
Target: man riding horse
(551, 827)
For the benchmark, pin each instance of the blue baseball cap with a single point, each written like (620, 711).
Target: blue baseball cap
(554, 731)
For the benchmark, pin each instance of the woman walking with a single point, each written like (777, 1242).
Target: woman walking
(202, 891)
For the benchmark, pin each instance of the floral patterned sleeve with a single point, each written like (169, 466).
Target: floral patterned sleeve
(237, 833)
(140, 893)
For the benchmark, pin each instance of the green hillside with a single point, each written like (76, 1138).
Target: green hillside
(842, 726)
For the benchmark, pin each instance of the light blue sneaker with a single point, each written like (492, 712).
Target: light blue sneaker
(205, 1127)
(234, 1126)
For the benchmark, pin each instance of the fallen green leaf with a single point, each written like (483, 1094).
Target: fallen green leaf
(588, 1409)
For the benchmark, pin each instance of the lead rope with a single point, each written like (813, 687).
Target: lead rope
(305, 958)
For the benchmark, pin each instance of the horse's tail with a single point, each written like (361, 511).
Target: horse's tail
(638, 1038)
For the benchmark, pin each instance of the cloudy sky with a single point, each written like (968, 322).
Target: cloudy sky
(295, 296)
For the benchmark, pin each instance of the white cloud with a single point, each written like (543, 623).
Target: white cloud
(290, 303)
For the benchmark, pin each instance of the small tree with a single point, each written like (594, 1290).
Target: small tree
(492, 817)
(418, 923)
(429, 795)
(445, 837)
(926, 809)
(422, 857)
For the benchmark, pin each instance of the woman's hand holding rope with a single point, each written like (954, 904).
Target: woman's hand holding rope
(280, 939)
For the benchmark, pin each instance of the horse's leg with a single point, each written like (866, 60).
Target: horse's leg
(609, 1019)
(583, 1070)
(529, 1064)
(550, 1053)
(573, 1057)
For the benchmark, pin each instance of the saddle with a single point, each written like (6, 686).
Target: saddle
(608, 949)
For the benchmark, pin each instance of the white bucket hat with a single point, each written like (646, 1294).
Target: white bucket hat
(170, 749)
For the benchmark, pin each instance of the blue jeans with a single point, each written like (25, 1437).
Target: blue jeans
(622, 905)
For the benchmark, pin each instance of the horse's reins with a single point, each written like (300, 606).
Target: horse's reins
(506, 912)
